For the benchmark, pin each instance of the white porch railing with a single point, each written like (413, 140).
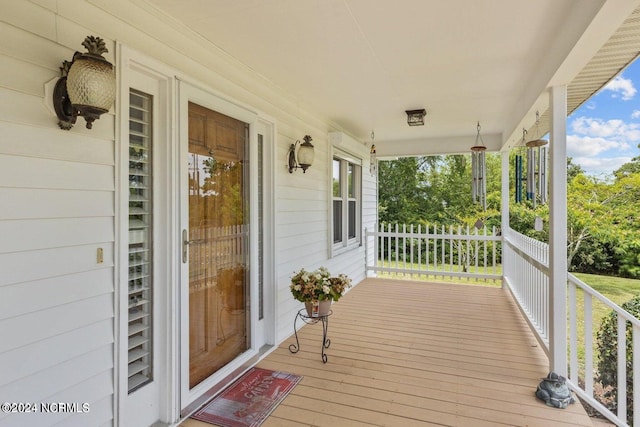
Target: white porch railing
(526, 270)
(582, 369)
(435, 251)
(522, 263)
(526, 273)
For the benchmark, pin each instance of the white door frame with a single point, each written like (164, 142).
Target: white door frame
(188, 92)
(147, 75)
(166, 398)
(265, 333)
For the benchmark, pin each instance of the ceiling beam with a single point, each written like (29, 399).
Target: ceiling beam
(435, 146)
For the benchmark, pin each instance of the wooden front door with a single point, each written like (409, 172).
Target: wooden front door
(218, 279)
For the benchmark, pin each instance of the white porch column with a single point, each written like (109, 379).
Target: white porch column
(504, 222)
(558, 231)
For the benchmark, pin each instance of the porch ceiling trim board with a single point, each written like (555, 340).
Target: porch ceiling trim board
(433, 146)
(618, 51)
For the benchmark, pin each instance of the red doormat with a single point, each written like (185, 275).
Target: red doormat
(249, 400)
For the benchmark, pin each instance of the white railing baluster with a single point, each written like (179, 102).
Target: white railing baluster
(443, 258)
(484, 250)
(622, 367)
(435, 248)
(458, 244)
(477, 254)
(573, 334)
(588, 344)
(411, 259)
(389, 258)
(404, 248)
(636, 372)
(396, 245)
(450, 248)
(419, 249)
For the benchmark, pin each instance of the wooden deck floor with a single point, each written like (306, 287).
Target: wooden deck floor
(409, 353)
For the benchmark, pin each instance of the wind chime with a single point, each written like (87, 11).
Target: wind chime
(536, 179)
(373, 161)
(479, 171)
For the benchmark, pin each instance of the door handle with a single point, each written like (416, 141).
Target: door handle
(185, 246)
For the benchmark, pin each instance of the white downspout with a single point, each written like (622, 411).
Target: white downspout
(558, 231)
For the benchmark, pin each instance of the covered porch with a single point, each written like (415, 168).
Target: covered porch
(418, 353)
(344, 72)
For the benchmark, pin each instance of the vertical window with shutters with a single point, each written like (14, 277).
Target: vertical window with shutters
(140, 279)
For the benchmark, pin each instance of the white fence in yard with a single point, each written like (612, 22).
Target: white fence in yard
(436, 252)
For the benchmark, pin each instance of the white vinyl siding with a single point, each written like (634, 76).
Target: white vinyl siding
(56, 300)
(57, 211)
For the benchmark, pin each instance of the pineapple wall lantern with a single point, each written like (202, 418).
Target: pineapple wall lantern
(87, 87)
(304, 157)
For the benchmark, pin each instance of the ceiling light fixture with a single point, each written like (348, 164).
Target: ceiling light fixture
(416, 117)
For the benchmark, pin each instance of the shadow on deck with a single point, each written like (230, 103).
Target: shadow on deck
(407, 353)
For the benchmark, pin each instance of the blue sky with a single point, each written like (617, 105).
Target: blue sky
(604, 132)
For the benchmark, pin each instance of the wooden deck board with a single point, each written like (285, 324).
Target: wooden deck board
(407, 353)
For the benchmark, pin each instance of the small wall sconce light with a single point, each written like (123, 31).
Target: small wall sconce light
(87, 87)
(304, 159)
(416, 117)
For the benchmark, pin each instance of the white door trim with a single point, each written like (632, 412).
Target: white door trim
(190, 93)
(137, 71)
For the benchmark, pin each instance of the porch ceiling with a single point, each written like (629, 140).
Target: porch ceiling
(361, 64)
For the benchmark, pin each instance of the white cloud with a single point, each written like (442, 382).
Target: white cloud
(617, 130)
(600, 166)
(583, 146)
(635, 114)
(621, 87)
(590, 105)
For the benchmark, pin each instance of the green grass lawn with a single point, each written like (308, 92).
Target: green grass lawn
(429, 272)
(617, 289)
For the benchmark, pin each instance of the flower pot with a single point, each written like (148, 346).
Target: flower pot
(317, 308)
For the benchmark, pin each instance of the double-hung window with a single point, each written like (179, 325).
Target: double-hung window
(346, 201)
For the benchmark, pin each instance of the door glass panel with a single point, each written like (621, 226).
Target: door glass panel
(218, 279)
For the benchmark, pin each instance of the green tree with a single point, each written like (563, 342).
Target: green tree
(603, 226)
(604, 232)
(398, 190)
(436, 189)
